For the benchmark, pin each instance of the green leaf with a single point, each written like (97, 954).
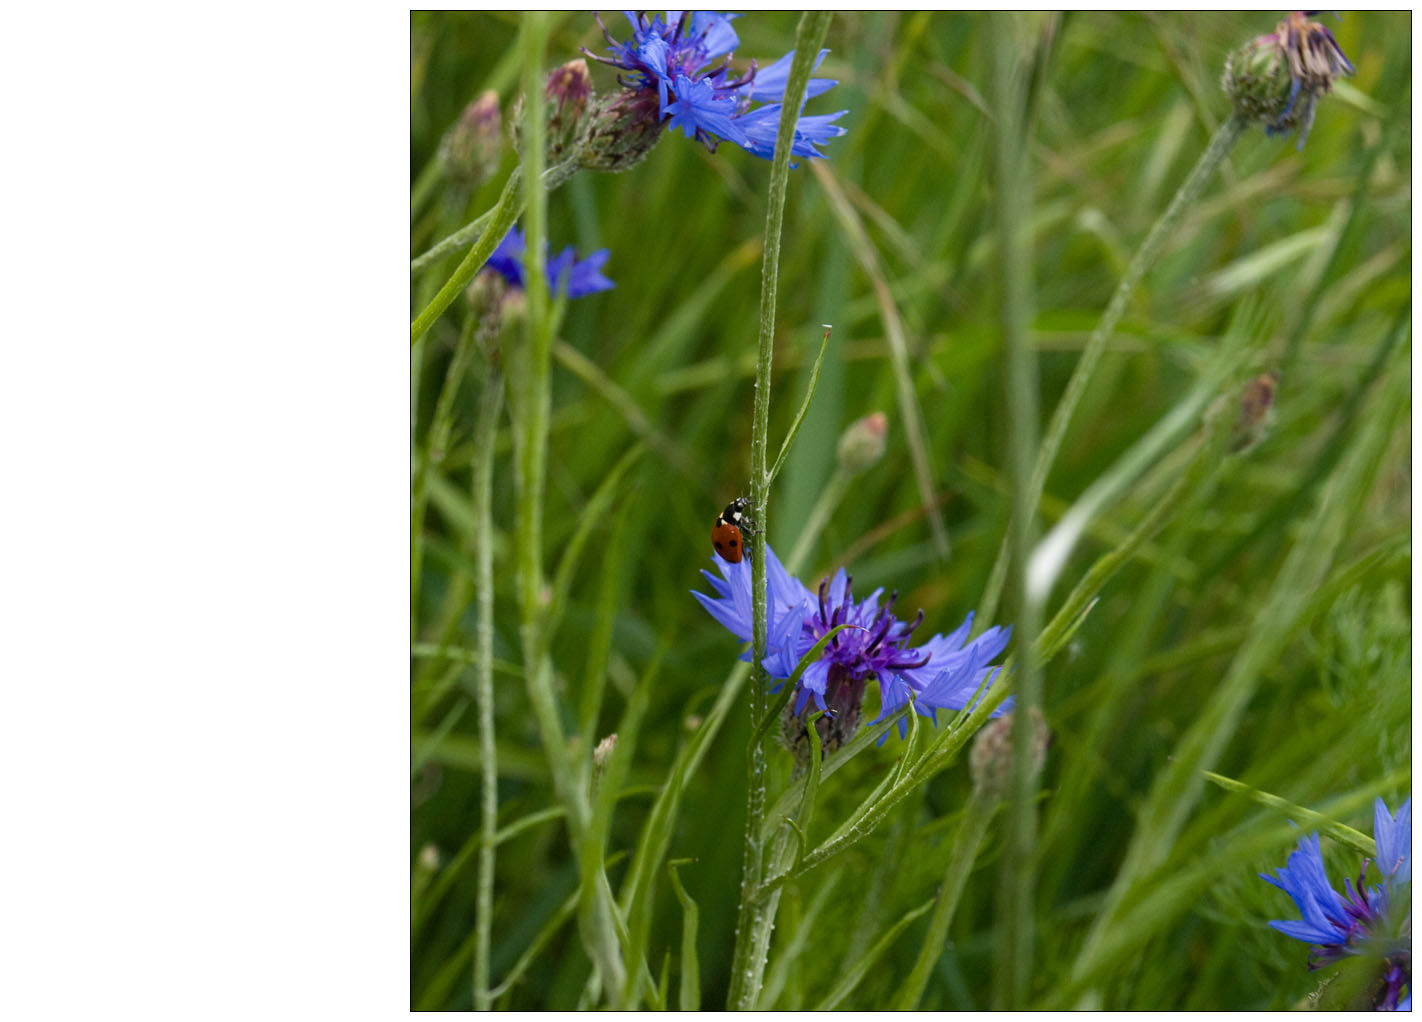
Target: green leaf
(689, 996)
(861, 966)
(804, 406)
(1305, 818)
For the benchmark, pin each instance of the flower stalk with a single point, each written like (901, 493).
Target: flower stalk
(756, 918)
(1013, 967)
(530, 397)
(1221, 143)
(490, 403)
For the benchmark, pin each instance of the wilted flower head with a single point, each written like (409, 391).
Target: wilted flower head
(679, 70)
(941, 674)
(566, 274)
(1279, 77)
(1375, 919)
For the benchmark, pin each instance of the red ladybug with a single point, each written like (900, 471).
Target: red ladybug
(730, 529)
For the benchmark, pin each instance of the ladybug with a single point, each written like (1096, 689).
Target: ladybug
(730, 529)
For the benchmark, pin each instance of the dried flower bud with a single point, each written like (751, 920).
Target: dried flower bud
(472, 149)
(1256, 413)
(1279, 77)
(497, 307)
(862, 444)
(990, 761)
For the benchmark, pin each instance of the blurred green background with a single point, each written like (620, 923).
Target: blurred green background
(1309, 251)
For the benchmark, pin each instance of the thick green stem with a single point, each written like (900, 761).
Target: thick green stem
(1013, 967)
(490, 401)
(1220, 145)
(530, 396)
(756, 918)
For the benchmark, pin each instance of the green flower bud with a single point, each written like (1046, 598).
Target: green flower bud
(567, 97)
(472, 149)
(498, 309)
(1256, 78)
(990, 761)
(862, 444)
(622, 130)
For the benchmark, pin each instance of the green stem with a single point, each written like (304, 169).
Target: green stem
(472, 231)
(1220, 145)
(490, 401)
(436, 446)
(469, 233)
(977, 814)
(424, 186)
(501, 219)
(1013, 967)
(756, 918)
(530, 398)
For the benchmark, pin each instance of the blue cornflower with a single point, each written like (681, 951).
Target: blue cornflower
(941, 674)
(1339, 925)
(677, 61)
(565, 272)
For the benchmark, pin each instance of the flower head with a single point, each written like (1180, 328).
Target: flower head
(941, 674)
(1256, 79)
(565, 272)
(684, 63)
(1376, 918)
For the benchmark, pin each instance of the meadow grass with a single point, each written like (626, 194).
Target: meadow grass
(1242, 612)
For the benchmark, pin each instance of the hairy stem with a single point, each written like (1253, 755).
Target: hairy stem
(490, 402)
(1220, 145)
(756, 918)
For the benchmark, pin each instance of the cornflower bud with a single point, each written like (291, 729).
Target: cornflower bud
(472, 149)
(1279, 77)
(990, 761)
(497, 307)
(567, 96)
(862, 444)
(622, 130)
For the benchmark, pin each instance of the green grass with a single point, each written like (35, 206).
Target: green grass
(1248, 615)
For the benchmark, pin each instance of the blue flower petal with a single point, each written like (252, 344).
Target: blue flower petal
(769, 83)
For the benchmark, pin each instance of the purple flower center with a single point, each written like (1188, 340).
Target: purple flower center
(876, 643)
